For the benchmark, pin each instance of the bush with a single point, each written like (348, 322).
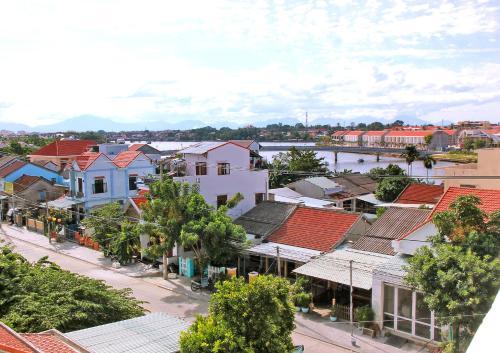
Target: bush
(303, 299)
(364, 315)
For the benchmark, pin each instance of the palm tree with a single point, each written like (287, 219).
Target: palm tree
(428, 161)
(410, 155)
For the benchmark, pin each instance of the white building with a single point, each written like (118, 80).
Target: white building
(222, 169)
(95, 179)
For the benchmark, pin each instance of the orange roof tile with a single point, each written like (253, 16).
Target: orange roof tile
(48, 342)
(314, 228)
(242, 143)
(340, 133)
(420, 194)
(12, 342)
(354, 133)
(375, 133)
(65, 148)
(136, 146)
(399, 133)
(490, 199)
(86, 159)
(124, 158)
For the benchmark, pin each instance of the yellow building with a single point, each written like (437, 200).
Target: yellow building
(469, 175)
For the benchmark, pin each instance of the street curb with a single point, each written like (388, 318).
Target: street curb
(98, 265)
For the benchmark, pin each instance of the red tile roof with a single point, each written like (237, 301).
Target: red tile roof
(354, 133)
(139, 201)
(124, 158)
(86, 159)
(65, 148)
(242, 143)
(314, 228)
(48, 343)
(136, 146)
(12, 342)
(11, 168)
(375, 133)
(409, 133)
(420, 194)
(26, 181)
(490, 199)
(340, 133)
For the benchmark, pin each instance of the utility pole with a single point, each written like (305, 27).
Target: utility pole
(47, 218)
(161, 169)
(351, 319)
(278, 260)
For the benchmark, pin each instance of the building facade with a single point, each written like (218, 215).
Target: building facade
(221, 170)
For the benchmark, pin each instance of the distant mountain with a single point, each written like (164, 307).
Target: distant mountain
(92, 122)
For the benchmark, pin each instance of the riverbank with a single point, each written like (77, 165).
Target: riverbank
(456, 157)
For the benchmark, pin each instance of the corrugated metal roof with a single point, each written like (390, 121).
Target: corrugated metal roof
(153, 333)
(334, 267)
(265, 218)
(287, 252)
(202, 147)
(323, 182)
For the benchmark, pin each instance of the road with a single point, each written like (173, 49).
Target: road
(157, 299)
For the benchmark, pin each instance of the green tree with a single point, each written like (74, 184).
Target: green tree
(410, 155)
(257, 317)
(428, 140)
(164, 215)
(428, 162)
(293, 165)
(391, 170)
(106, 222)
(126, 243)
(211, 234)
(468, 144)
(43, 296)
(459, 272)
(388, 189)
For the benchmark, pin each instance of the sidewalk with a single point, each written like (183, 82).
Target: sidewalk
(307, 325)
(82, 253)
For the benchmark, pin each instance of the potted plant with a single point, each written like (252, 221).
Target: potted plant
(295, 301)
(364, 316)
(304, 300)
(333, 313)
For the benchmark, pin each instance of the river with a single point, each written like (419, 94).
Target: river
(345, 160)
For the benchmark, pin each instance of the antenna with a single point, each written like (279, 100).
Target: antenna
(307, 121)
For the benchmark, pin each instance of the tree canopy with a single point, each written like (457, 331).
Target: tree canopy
(459, 273)
(293, 165)
(40, 296)
(255, 317)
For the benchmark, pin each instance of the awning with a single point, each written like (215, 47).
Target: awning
(405, 205)
(287, 252)
(334, 267)
(63, 203)
(370, 198)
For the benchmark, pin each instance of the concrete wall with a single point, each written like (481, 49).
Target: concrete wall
(488, 165)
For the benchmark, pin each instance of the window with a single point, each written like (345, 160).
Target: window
(405, 311)
(99, 186)
(223, 168)
(221, 200)
(259, 197)
(201, 168)
(132, 182)
(41, 195)
(80, 185)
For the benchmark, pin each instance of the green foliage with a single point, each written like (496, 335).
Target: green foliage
(42, 296)
(290, 166)
(428, 139)
(380, 211)
(390, 170)
(303, 299)
(126, 243)
(364, 315)
(106, 222)
(388, 189)
(410, 155)
(460, 271)
(251, 318)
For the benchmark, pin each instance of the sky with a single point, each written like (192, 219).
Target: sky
(247, 61)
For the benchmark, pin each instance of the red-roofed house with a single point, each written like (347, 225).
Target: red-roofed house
(339, 135)
(61, 152)
(420, 194)
(151, 152)
(401, 138)
(51, 341)
(374, 138)
(304, 234)
(354, 137)
(390, 295)
(95, 179)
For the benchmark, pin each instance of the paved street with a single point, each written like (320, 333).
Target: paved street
(318, 335)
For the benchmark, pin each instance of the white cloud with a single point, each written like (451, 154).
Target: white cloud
(226, 60)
